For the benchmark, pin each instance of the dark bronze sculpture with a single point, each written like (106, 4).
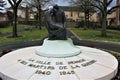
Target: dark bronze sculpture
(55, 23)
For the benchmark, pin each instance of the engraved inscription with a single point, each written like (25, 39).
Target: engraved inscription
(41, 66)
(23, 62)
(43, 72)
(75, 66)
(66, 72)
(46, 67)
(43, 62)
(77, 61)
(88, 63)
(62, 67)
(59, 63)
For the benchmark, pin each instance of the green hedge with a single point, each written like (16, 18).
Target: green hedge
(4, 24)
(28, 22)
(89, 24)
(114, 27)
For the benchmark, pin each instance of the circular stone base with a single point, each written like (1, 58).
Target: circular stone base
(58, 48)
(90, 64)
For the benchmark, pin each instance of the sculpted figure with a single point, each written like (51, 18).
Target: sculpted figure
(55, 23)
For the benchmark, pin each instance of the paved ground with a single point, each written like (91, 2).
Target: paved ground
(96, 44)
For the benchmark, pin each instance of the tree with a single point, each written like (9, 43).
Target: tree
(14, 4)
(85, 7)
(102, 6)
(38, 4)
(10, 16)
(3, 23)
(24, 5)
(2, 4)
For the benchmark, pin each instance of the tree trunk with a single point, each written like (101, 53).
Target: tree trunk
(15, 23)
(86, 20)
(26, 15)
(85, 23)
(39, 17)
(104, 20)
(104, 25)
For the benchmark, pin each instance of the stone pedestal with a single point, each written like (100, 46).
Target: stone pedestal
(58, 48)
(89, 64)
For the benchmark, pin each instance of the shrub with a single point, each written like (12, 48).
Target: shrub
(10, 15)
(94, 25)
(29, 22)
(4, 24)
(114, 27)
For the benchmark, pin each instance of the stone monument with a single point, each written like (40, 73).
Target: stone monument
(57, 44)
(58, 58)
(55, 23)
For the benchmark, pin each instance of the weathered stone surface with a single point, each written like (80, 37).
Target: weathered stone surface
(90, 64)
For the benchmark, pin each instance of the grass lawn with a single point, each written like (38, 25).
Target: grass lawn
(90, 34)
(10, 28)
(113, 35)
(25, 35)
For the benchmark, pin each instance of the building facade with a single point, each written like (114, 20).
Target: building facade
(76, 14)
(111, 18)
(72, 14)
(23, 13)
(118, 13)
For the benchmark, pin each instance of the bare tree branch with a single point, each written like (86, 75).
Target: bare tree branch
(11, 3)
(113, 8)
(98, 7)
(14, 1)
(99, 1)
(17, 4)
(109, 2)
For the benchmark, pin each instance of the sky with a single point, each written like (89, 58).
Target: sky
(65, 3)
(59, 2)
(62, 2)
(113, 3)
